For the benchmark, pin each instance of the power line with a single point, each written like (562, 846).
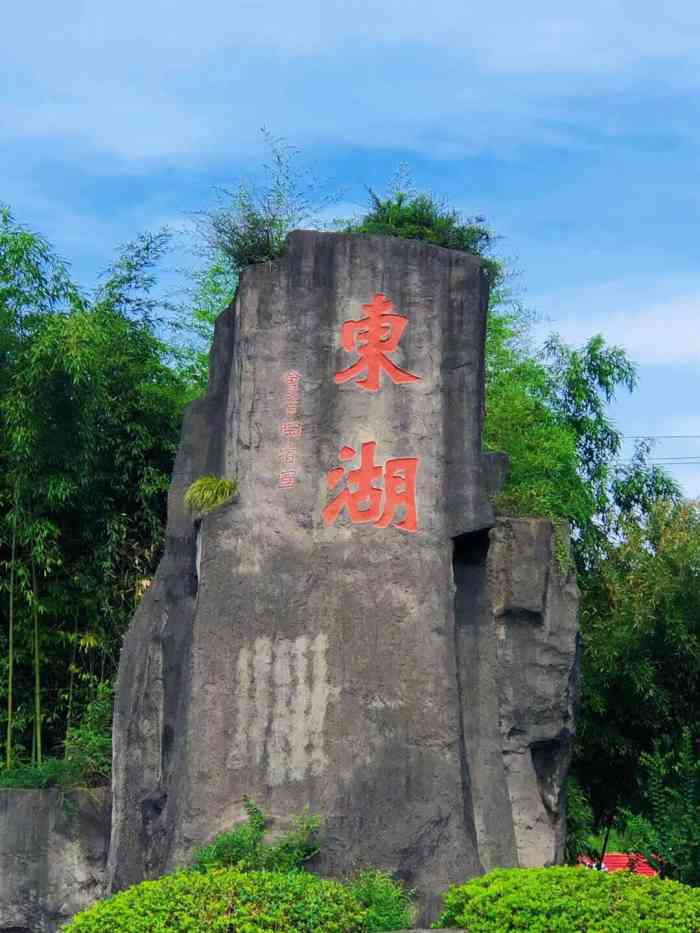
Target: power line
(640, 437)
(689, 462)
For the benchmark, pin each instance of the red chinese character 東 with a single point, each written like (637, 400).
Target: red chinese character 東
(373, 337)
(364, 501)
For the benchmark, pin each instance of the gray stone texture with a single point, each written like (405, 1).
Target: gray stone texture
(414, 688)
(53, 855)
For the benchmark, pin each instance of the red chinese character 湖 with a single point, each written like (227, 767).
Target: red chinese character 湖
(373, 337)
(365, 501)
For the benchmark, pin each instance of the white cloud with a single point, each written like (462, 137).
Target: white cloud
(508, 37)
(688, 478)
(656, 321)
(167, 79)
(685, 425)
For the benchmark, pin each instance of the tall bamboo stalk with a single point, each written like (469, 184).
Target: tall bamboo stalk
(37, 682)
(72, 673)
(11, 636)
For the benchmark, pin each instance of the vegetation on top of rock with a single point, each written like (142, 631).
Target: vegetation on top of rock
(570, 900)
(252, 222)
(419, 216)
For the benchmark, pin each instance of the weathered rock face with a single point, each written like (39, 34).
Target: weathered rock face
(516, 616)
(341, 635)
(53, 855)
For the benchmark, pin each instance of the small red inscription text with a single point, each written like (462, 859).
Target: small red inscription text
(290, 430)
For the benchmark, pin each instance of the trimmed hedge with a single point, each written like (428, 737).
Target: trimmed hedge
(219, 901)
(571, 900)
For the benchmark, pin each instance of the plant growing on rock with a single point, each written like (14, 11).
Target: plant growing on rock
(245, 848)
(209, 492)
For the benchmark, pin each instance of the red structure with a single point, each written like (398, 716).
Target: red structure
(622, 861)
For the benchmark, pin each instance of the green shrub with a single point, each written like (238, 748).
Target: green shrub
(52, 772)
(89, 744)
(579, 822)
(389, 906)
(571, 900)
(669, 834)
(225, 901)
(244, 847)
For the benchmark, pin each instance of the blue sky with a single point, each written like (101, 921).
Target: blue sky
(574, 128)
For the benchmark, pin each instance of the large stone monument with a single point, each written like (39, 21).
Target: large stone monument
(355, 631)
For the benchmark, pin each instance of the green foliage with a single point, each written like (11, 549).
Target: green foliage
(213, 290)
(244, 847)
(87, 761)
(543, 477)
(227, 900)
(88, 746)
(524, 420)
(33, 279)
(389, 906)
(52, 772)
(209, 492)
(418, 216)
(637, 488)
(571, 900)
(640, 627)
(579, 821)
(89, 420)
(668, 835)
(128, 284)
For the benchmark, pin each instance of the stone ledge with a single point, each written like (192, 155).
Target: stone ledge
(53, 854)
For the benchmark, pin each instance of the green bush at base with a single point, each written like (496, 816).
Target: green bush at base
(571, 900)
(389, 905)
(220, 901)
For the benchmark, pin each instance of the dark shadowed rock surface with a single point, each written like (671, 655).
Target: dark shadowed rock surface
(395, 659)
(53, 855)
